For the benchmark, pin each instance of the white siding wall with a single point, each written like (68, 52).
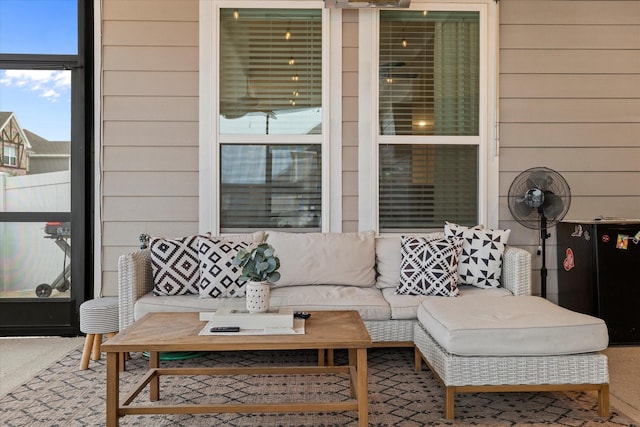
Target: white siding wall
(150, 124)
(570, 100)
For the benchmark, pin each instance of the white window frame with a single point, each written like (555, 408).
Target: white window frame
(210, 139)
(11, 158)
(370, 139)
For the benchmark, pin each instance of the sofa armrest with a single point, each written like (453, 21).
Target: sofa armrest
(134, 280)
(516, 271)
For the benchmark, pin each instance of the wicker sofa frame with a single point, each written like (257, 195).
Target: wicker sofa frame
(475, 374)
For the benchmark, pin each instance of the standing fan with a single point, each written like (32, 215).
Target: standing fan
(539, 198)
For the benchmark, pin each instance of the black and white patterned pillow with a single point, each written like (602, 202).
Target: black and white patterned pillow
(480, 262)
(219, 278)
(174, 264)
(429, 266)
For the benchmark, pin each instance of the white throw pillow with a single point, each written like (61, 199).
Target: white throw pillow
(480, 262)
(219, 278)
(429, 266)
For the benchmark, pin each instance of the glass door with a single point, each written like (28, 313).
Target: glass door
(45, 165)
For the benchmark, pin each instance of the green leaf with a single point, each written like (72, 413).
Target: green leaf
(262, 266)
(274, 277)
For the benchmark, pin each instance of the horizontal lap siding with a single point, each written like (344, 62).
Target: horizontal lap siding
(149, 123)
(570, 100)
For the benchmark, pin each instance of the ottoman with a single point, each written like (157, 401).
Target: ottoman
(97, 317)
(502, 344)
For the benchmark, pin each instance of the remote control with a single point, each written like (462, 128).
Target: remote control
(301, 314)
(225, 329)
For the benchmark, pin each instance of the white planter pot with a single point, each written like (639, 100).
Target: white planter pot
(257, 295)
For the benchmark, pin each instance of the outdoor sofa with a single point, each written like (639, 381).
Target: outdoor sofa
(368, 273)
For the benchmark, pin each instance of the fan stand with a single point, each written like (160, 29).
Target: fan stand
(543, 270)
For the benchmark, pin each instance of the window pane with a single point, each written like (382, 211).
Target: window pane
(270, 71)
(39, 26)
(35, 260)
(35, 125)
(429, 73)
(422, 186)
(270, 186)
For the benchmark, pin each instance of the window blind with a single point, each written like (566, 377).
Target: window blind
(429, 87)
(270, 71)
(422, 186)
(429, 73)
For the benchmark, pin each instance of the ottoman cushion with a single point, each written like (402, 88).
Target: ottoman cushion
(99, 316)
(510, 326)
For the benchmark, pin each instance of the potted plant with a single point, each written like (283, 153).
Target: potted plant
(259, 268)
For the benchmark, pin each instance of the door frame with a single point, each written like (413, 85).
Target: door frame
(60, 316)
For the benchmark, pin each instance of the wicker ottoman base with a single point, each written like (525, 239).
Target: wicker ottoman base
(465, 374)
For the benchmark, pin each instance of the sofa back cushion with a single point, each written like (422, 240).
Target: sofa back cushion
(325, 258)
(389, 258)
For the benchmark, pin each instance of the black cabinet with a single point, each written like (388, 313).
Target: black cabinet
(599, 274)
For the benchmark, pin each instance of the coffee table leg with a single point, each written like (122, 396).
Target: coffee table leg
(353, 357)
(154, 385)
(353, 362)
(321, 357)
(113, 389)
(363, 388)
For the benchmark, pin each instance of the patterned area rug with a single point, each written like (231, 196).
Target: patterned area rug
(62, 395)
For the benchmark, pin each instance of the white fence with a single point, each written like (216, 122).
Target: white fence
(27, 257)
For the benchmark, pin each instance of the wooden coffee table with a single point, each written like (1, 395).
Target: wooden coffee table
(167, 332)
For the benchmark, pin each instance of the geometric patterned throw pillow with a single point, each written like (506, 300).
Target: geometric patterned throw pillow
(429, 266)
(219, 278)
(480, 262)
(174, 263)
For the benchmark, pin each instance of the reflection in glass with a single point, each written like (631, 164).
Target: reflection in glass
(422, 186)
(270, 71)
(35, 260)
(270, 186)
(429, 73)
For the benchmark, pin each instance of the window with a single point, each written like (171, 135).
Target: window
(270, 186)
(270, 71)
(10, 155)
(267, 121)
(430, 117)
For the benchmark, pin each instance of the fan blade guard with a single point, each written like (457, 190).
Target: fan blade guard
(539, 191)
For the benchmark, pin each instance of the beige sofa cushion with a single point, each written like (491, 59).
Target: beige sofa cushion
(325, 258)
(389, 257)
(510, 326)
(150, 303)
(406, 306)
(367, 301)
